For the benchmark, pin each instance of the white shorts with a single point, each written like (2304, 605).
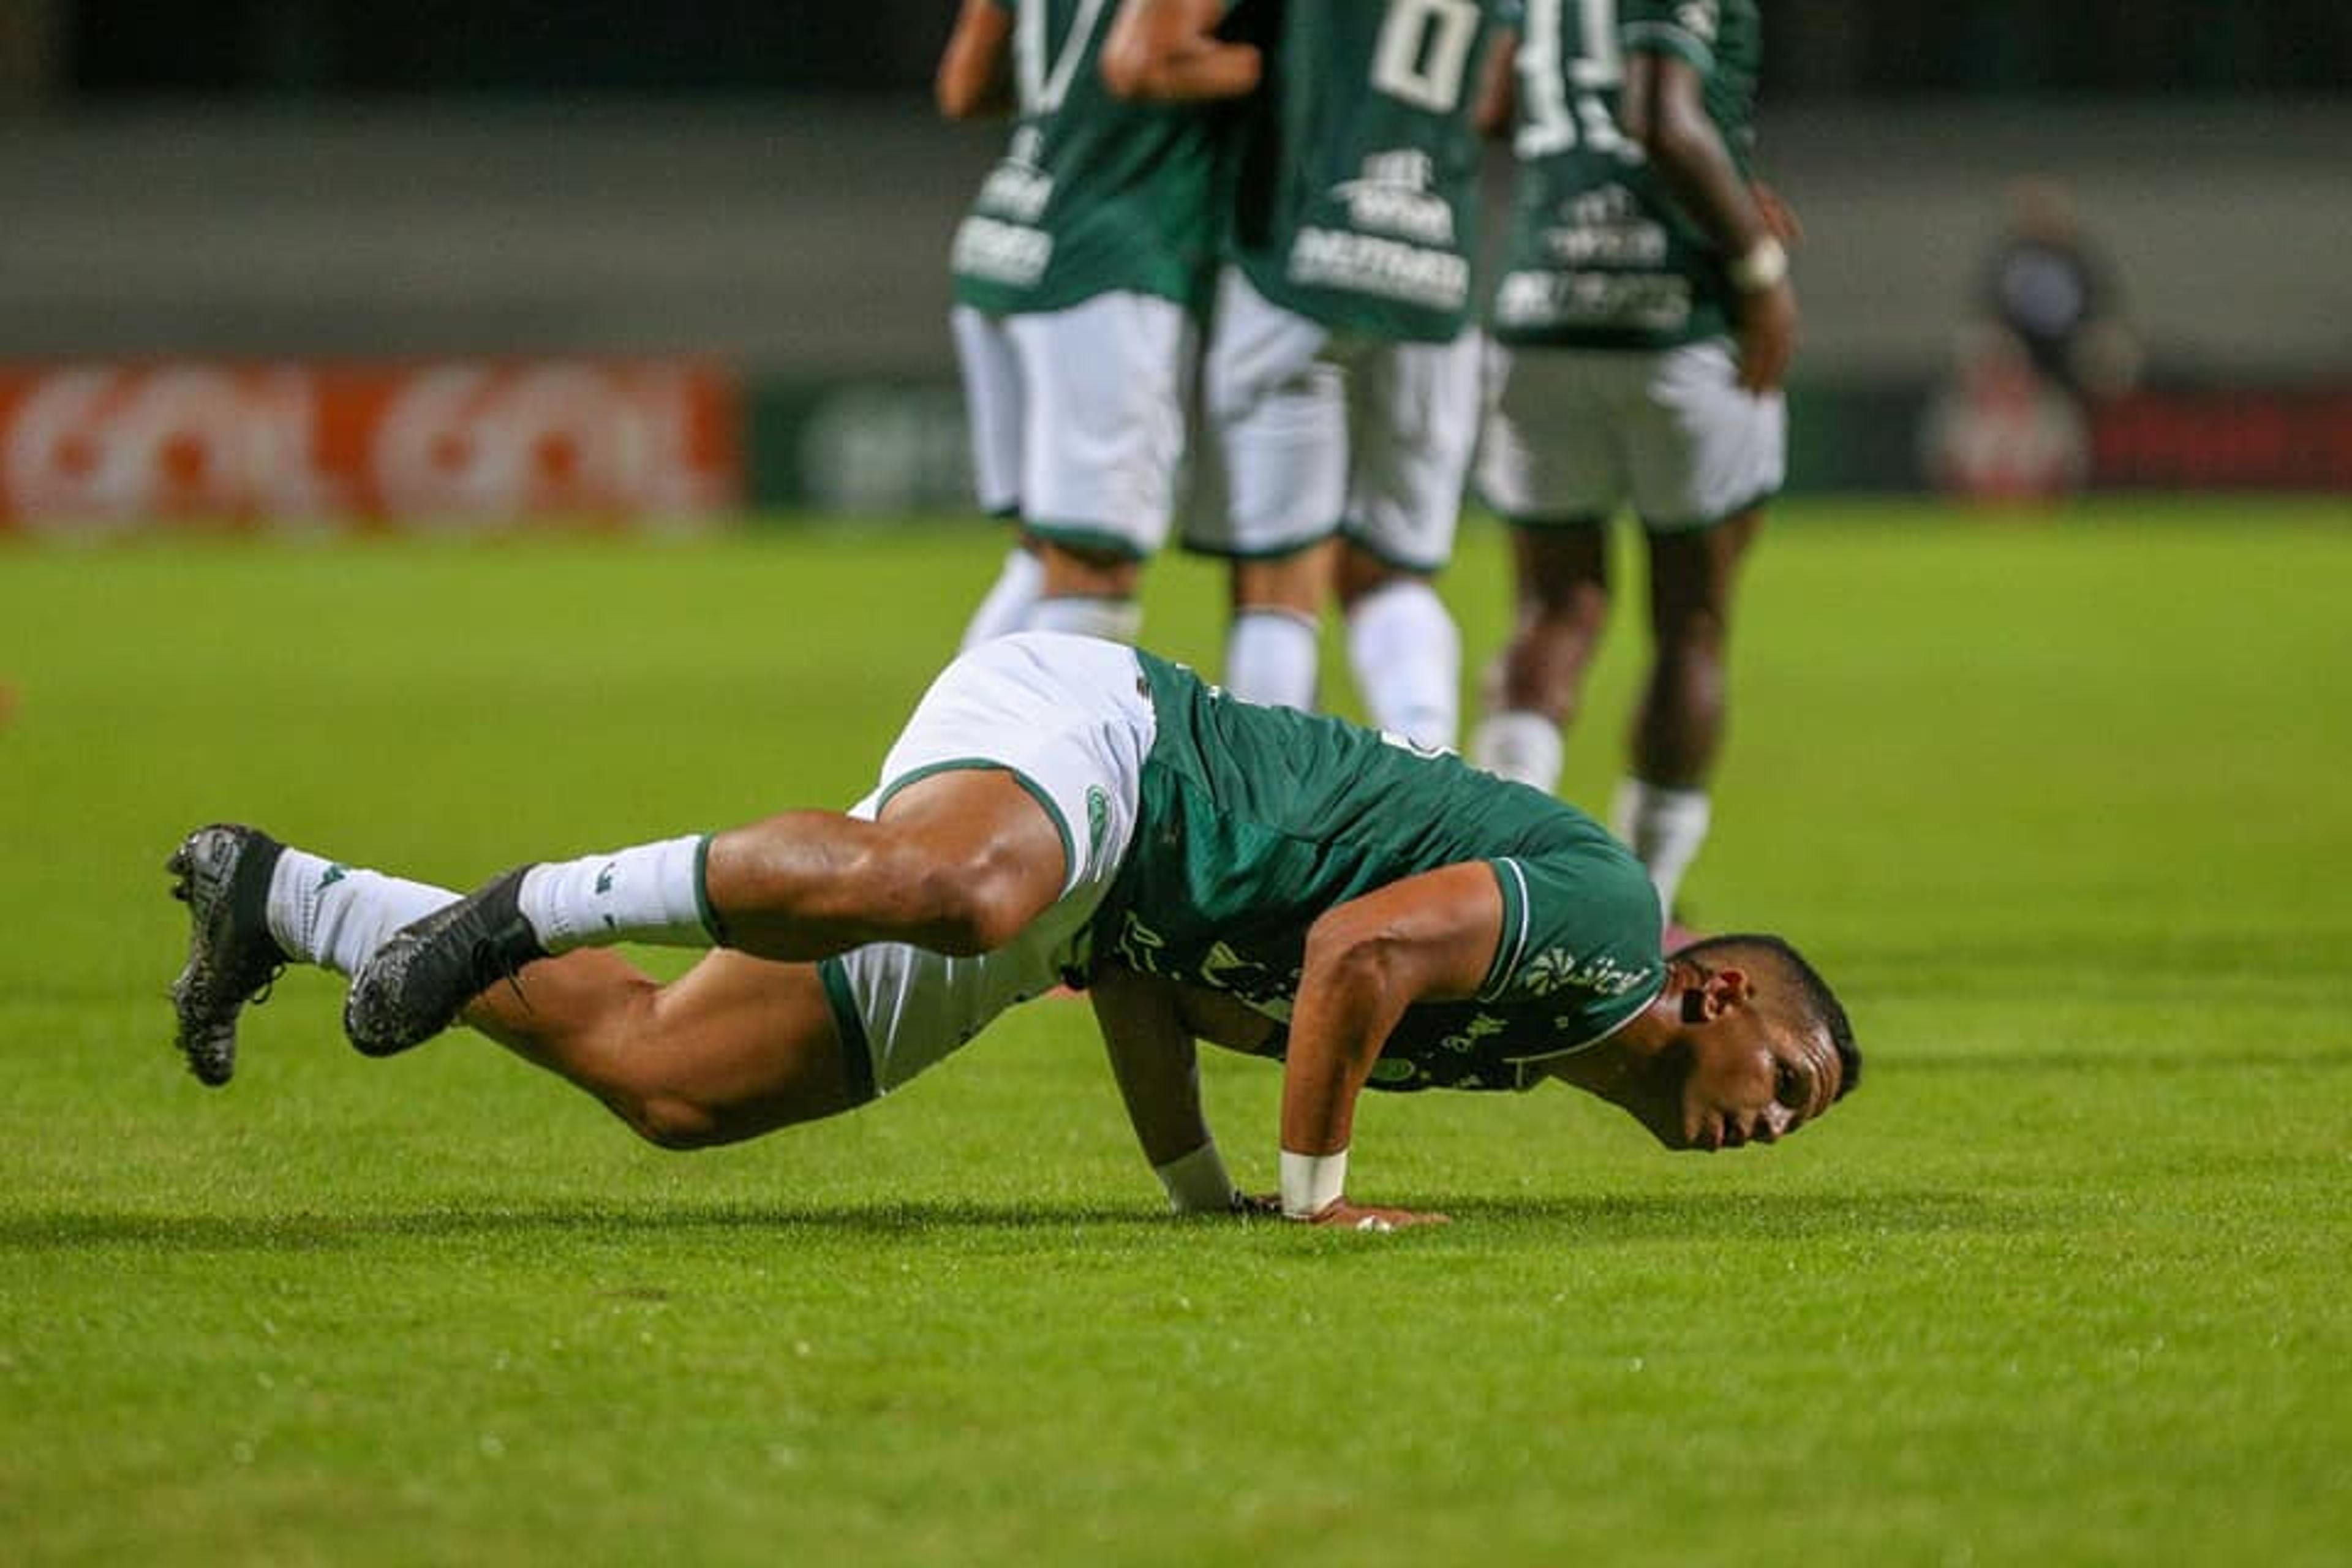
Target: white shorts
(1077, 416)
(1574, 434)
(1316, 433)
(992, 402)
(1071, 719)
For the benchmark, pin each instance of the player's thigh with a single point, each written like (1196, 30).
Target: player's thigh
(990, 369)
(1549, 451)
(1275, 405)
(1703, 448)
(738, 1046)
(1105, 380)
(1413, 426)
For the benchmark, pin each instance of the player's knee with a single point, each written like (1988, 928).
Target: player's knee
(977, 904)
(671, 1121)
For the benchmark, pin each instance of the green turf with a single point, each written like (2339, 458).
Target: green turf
(2060, 804)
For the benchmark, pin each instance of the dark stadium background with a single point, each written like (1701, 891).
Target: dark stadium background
(105, 49)
(763, 191)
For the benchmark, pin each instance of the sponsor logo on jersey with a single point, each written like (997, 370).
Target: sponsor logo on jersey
(1557, 969)
(1393, 196)
(1650, 301)
(1368, 264)
(1001, 252)
(1017, 191)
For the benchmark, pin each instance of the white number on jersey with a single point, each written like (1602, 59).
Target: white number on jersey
(1424, 51)
(1549, 123)
(1043, 87)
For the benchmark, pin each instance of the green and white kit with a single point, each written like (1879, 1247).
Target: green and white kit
(1208, 834)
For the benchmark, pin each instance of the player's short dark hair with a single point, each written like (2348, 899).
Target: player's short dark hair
(1815, 1001)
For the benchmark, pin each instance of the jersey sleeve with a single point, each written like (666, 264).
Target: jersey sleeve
(1686, 29)
(1581, 934)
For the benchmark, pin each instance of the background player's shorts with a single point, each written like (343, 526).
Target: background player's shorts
(1313, 432)
(1067, 716)
(1573, 433)
(1093, 416)
(992, 401)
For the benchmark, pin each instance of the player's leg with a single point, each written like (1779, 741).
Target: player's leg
(1549, 465)
(991, 812)
(992, 405)
(1275, 405)
(1273, 641)
(1414, 420)
(958, 861)
(1702, 472)
(1663, 806)
(734, 1047)
(1536, 683)
(1107, 387)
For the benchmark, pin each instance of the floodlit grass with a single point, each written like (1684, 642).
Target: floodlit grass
(2059, 804)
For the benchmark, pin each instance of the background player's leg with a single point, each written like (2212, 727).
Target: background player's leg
(1088, 594)
(1405, 648)
(1537, 682)
(1272, 652)
(1662, 808)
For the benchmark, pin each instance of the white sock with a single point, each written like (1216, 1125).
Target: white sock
(1271, 657)
(650, 892)
(1665, 827)
(336, 916)
(1407, 656)
(1087, 616)
(1519, 744)
(1005, 606)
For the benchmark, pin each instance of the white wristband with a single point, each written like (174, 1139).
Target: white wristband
(1312, 1182)
(1766, 263)
(1197, 1183)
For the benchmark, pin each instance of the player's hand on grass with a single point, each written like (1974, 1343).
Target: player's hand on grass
(1346, 1216)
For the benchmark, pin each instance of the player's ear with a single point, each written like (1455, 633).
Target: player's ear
(1726, 991)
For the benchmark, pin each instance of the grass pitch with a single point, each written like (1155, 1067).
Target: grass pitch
(2060, 805)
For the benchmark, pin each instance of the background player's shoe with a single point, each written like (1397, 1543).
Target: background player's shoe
(420, 980)
(222, 874)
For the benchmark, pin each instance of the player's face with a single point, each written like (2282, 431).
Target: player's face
(1749, 1081)
(1723, 1071)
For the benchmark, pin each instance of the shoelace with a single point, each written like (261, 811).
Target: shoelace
(486, 963)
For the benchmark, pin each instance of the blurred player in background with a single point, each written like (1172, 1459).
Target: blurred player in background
(1644, 320)
(1062, 808)
(1340, 380)
(1076, 274)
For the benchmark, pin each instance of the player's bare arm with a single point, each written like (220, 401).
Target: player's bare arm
(1169, 51)
(1429, 938)
(1498, 95)
(973, 79)
(1662, 109)
(1154, 1058)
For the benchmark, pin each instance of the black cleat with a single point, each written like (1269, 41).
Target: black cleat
(222, 874)
(420, 980)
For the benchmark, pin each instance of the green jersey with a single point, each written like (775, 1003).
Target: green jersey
(1253, 821)
(1599, 253)
(1094, 194)
(1358, 208)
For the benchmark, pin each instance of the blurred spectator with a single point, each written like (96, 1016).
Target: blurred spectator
(2044, 339)
(2050, 287)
